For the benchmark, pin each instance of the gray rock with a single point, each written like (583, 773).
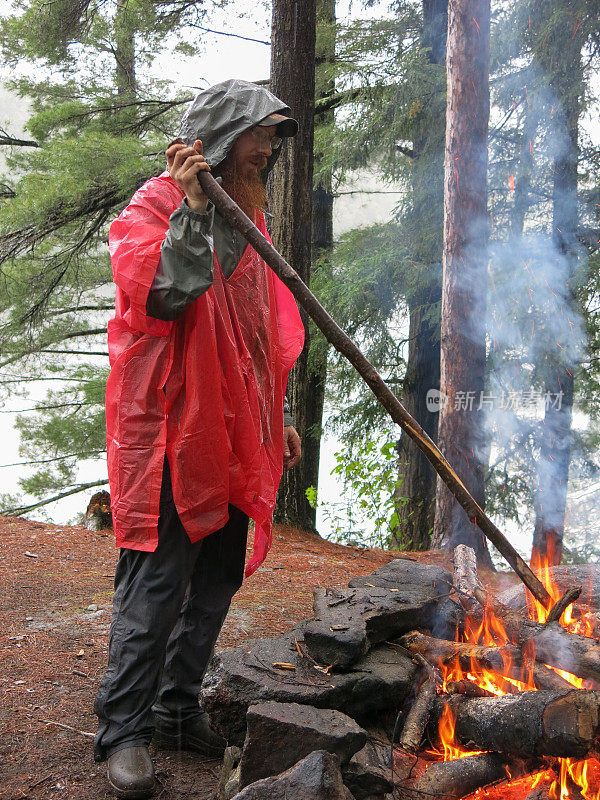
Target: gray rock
(229, 779)
(412, 576)
(368, 773)
(585, 575)
(395, 599)
(336, 639)
(316, 777)
(245, 675)
(297, 730)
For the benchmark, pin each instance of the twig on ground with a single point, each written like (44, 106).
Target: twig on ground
(87, 734)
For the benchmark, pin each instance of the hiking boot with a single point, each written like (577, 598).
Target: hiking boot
(130, 773)
(195, 734)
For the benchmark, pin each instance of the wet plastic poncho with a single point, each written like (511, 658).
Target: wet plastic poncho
(206, 389)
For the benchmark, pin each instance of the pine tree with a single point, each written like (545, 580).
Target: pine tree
(98, 130)
(460, 434)
(293, 80)
(415, 505)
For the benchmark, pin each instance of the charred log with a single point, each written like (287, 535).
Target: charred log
(528, 724)
(454, 779)
(559, 608)
(418, 716)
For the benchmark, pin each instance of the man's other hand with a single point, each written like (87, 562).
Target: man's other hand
(184, 164)
(292, 449)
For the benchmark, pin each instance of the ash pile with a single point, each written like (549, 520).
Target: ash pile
(413, 683)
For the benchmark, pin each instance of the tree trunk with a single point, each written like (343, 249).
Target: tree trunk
(461, 433)
(322, 246)
(556, 436)
(124, 52)
(522, 196)
(415, 495)
(293, 80)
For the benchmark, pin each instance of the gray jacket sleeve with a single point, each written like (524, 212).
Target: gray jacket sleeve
(185, 270)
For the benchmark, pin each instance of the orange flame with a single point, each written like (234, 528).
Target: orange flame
(491, 632)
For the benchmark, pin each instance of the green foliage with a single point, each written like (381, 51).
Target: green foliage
(375, 273)
(393, 122)
(366, 515)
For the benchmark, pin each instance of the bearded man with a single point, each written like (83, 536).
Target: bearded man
(202, 340)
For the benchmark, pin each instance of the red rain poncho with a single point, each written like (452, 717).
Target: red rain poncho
(207, 389)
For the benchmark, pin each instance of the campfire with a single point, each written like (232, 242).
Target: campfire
(491, 697)
(495, 656)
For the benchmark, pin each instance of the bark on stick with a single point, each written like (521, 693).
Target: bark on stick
(344, 345)
(418, 717)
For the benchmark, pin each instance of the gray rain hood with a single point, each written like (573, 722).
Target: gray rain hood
(219, 114)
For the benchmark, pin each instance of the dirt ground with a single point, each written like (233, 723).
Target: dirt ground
(56, 586)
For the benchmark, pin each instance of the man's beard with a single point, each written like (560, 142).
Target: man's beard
(245, 187)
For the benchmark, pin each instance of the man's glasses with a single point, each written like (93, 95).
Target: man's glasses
(261, 136)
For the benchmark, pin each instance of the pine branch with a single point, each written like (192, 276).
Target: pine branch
(92, 454)
(370, 191)
(20, 510)
(234, 35)
(76, 309)
(98, 200)
(77, 352)
(337, 99)
(64, 337)
(6, 140)
(41, 408)
(30, 378)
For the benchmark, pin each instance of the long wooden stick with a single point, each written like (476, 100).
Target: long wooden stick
(344, 345)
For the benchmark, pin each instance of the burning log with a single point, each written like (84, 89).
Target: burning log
(553, 645)
(559, 608)
(507, 660)
(468, 688)
(455, 779)
(528, 724)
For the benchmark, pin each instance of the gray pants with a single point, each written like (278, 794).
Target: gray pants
(168, 609)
